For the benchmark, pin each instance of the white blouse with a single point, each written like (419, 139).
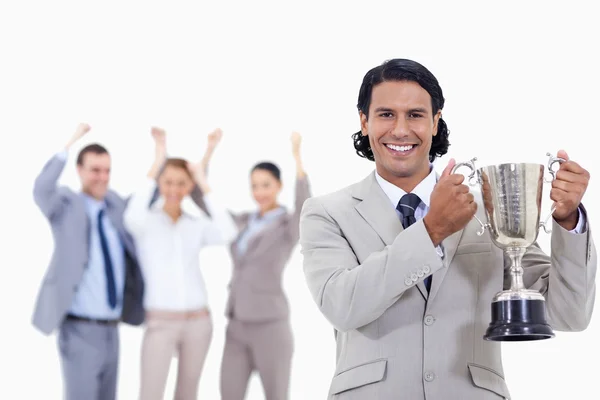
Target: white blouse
(168, 252)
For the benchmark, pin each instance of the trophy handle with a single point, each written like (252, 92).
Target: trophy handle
(472, 178)
(473, 181)
(551, 161)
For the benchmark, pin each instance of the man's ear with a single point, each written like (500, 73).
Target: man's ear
(436, 119)
(364, 121)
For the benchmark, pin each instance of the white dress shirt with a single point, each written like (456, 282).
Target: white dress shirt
(424, 190)
(168, 252)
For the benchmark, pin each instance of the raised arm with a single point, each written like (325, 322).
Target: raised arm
(160, 151)
(213, 140)
(45, 190)
(139, 203)
(221, 228)
(302, 188)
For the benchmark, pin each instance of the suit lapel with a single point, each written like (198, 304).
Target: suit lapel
(115, 216)
(242, 228)
(376, 209)
(256, 239)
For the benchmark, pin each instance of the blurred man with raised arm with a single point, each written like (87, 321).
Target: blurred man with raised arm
(395, 264)
(93, 281)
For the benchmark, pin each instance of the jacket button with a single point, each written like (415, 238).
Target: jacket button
(429, 320)
(408, 281)
(429, 376)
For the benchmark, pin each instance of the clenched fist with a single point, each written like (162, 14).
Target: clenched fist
(80, 132)
(214, 138)
(160, 143)
(567, 191)
(452, 206)
(296, 141)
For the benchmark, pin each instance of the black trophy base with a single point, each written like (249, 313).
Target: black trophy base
(518, 320)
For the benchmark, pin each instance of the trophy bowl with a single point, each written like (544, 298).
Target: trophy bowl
(512, 198)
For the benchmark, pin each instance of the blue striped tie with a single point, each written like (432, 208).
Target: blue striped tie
(407, 206)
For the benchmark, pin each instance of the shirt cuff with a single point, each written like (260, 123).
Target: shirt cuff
(62, 155)
(581, 223)
(439, 251)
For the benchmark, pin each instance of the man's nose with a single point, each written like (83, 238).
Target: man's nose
(401, 129)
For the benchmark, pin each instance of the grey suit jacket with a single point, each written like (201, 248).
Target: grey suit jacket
(70, 226)
(394, 340)
(255, 292)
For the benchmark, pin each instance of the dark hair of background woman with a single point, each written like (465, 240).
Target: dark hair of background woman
(270, 167)
(402, 70)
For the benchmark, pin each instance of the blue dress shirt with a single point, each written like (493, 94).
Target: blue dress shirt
(91, 299)
(256, 223)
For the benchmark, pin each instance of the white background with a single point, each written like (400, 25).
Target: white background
(520, 79)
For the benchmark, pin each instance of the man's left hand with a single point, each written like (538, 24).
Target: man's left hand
(567, 191)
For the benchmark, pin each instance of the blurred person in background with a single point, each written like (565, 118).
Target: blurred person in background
(93, 281)
(169, 236)
(259, 336)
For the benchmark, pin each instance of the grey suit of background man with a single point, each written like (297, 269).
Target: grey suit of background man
(93, 280)
(368, 259)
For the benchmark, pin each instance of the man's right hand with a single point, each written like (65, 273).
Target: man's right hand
(81, 130)
(452, 206)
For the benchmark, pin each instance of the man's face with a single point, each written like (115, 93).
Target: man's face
(400, 127)
(94, 174)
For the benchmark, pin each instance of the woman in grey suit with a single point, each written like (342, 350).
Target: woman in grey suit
(259, 335)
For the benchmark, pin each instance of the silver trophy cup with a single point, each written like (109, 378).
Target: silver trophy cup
(512, 198)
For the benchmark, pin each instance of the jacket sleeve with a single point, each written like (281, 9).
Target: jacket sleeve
(45, 189)
(349, 293)
(303, 193)
(566, 278)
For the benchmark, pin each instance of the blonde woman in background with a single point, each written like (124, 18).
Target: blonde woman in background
(169, 237)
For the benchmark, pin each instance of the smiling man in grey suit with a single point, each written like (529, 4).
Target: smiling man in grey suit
(93, 280)
(395, 264)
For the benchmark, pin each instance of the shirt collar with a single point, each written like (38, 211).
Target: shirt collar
(423, 189)
(269, 215)
(188, 208)
(93, 205)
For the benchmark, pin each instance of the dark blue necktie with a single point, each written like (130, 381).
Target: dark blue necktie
(108, 266)
(407, 206)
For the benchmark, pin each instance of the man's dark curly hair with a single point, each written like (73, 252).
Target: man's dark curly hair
(402, 70)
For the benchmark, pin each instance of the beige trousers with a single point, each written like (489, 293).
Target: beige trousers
(187, 336)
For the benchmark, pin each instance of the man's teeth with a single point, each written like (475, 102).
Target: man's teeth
(400, 148)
